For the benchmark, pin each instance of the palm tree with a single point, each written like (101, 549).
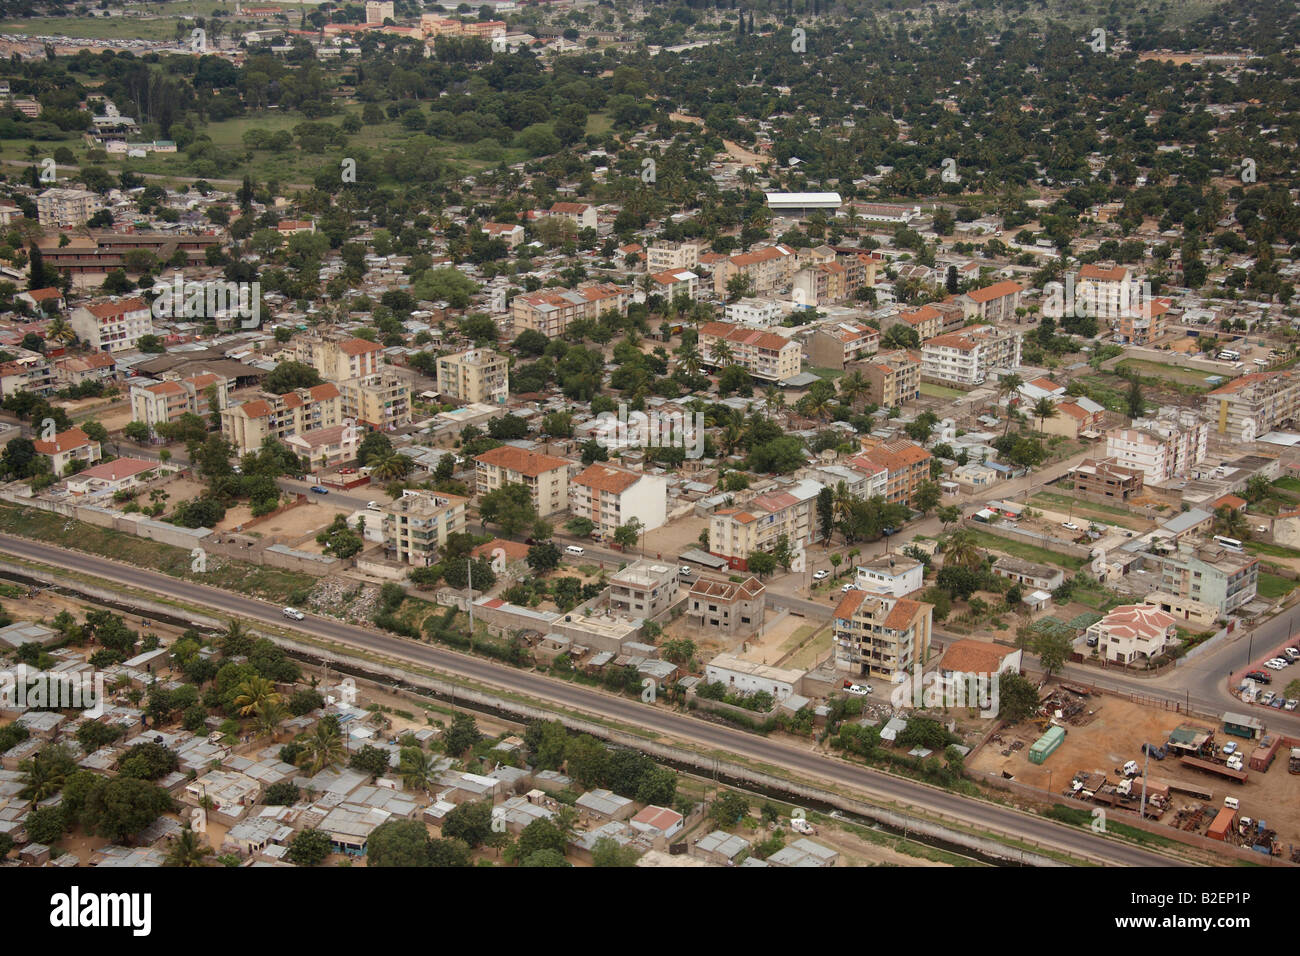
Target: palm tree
(322, 748)
(1008, 385)
(1044, 409)
(689, 359)
(416, 768)
(391, 467)
(187, 850)
(255, 694)
(234, 637)
(60, 332)
(852, 387)
(774, 397)
(269, 716)
(722, 354)
(963, 549)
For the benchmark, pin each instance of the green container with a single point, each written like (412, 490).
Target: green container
(1046, 744)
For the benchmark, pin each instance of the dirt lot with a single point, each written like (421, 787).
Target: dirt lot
(1116, 735)
(288, 526)
(675, 537)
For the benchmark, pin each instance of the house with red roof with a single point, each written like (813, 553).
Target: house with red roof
(67, 448)
(1134, 633)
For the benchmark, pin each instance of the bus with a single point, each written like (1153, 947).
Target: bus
(1228, 355)
(1232, 544)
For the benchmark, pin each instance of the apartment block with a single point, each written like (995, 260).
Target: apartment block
(609, 497)
(907, 465)
(582, 215)
(834, 346)
(377, 11)
(479, 375)
(27, 373)
(674, 282)
(417, 524)
(341, 359)
(67, 208)
(759, 313)
(995, 303)
(1253, 405)
(545, 476)
(1208, 573)
(736, 533)
(643, 589)
(880, 635)
(965, 358)
(894, 379)
(248, 425)
(511, 233)
(1107, 478)
(1142, 325)
(821, 283)
(765, 355)
(114, 325)
(769, 269)
(165, 402)
(1106, 289)
(380, 401)
(666, 256)
(550, 311)
(1160, 448)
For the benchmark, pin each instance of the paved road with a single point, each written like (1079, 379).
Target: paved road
(816, 766)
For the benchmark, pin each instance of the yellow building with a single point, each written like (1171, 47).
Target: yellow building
(417, 524)
(545, 476)
(479, 375)
(249, 425)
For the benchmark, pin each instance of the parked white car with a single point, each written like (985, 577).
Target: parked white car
(1069, 525)
(821, 575)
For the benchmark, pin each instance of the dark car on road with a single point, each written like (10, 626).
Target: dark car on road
(319, 490)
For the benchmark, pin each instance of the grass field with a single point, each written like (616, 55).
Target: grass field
(938, 391)
(1186, 377)
(1273, 550)
(1273, 586)
(1288, 483)
(1028, 552)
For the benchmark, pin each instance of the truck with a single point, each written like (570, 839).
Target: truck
(1293, 764)
(1208, 766)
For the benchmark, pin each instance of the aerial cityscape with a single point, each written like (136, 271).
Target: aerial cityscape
(673, 433)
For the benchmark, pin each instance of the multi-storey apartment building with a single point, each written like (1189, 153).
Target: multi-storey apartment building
(27, 373)
(674, 282)
(248, 425)
(1106, 291)
(166, 402)
(894, 379)
(907, 465)
(338, 360)
(609, 497)
(479, 375)
(965, 358)
(1253, 405)
(67, 208)
(580, 214)
(880, 635)
(759, 313)
(1142, 324)
(819, 283)
(550, 311)
(1208, 573)
(834, 346)
(666, 256)
(377, 11)
(417, 524)
(765, 355)
(995, 303)
(769, 269)
(114, 325)
(736, 533)
(1108, 478)
(1160, 448)
(545, 476)
(380, 401)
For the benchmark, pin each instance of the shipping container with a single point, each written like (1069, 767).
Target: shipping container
(1263, 756)
(1223, 824)
(1046, 744)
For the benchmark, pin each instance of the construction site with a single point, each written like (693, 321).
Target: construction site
(1182, 772)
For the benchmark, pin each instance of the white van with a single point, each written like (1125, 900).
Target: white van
(574, 549)
(1232, 803)
(372, 505)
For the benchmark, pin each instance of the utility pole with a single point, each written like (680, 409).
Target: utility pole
(469, 579)
(1142, 813)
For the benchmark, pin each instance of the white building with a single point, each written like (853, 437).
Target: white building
(609, 497)
(759, 313)
(749, 677)
(1160, 448)
(1133, 632)
(966, 357)
(112, 326)
(893, 574)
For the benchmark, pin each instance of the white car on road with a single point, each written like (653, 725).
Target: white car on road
(821, 575)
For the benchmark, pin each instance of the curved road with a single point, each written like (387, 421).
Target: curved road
(671, 724)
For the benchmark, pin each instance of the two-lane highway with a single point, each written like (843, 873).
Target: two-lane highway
(544, 690)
